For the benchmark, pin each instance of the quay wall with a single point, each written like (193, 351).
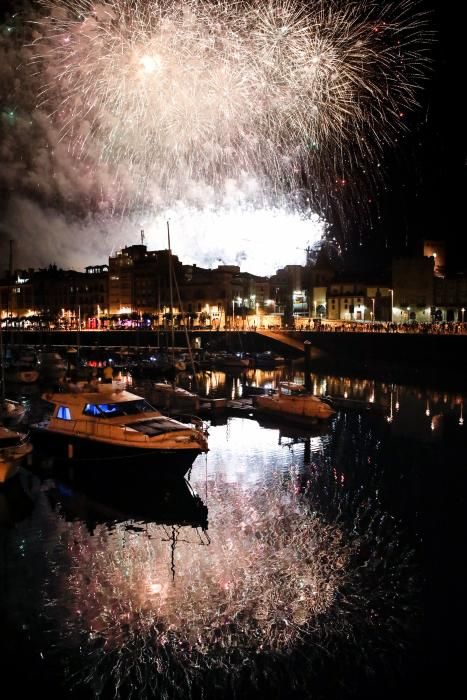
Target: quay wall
(417, 359)
(441, 351)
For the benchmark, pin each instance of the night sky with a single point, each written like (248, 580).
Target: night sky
(421, 193)
(426, 183)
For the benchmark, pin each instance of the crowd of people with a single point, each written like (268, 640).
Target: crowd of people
(416, 327)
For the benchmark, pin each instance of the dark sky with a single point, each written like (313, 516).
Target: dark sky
(425, 182)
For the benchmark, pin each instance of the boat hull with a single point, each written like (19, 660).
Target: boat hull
(296, 409)
(82, 452)
(8, 469)
(11, 460)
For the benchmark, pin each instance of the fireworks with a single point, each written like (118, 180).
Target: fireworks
(178, 95)
(277, 573)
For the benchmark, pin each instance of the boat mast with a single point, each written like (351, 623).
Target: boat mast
(171, 296)
(2, 364)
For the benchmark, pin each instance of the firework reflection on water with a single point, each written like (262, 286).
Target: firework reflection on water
(295, 562)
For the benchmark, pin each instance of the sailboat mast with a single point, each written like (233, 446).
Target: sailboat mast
(2, 363)
(171, 292)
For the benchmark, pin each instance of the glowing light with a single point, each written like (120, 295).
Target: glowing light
(236, 235)
(150, 64)
(273, 89)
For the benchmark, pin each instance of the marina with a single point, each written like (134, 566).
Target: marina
(267, 554)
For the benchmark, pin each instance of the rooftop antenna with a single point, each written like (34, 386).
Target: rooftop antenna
(142, 236)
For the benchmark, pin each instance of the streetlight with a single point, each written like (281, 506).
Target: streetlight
(373, 311)
(392, 303)
(463, 310)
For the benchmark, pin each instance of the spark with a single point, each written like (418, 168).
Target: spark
(279, 572)
(173, 93)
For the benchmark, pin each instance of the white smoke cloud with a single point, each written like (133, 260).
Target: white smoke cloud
(258, 240)
(65, 206)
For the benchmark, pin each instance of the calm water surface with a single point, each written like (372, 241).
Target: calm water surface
(293, 564)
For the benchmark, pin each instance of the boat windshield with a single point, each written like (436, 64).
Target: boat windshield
(114, 410)
(289, 389)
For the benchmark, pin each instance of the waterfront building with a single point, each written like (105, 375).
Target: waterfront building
(413, 284)
(347, 301)
(208, 296)
(62, 297)
(450, 298)
(151, 287)
(437, 251)
(140, 282)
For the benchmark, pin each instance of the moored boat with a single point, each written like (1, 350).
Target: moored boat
(106, 424)
(14, 448)
(268, 359)
(231, 360)
(292, 400)
(169, 397)
(11, 412)
(21, 374)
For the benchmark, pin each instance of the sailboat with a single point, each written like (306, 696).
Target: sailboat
(14, 446)
(11, 412)
(166, 394)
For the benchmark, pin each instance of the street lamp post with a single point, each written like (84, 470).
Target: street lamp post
(373, 309)
(392, 304)
(463, 310)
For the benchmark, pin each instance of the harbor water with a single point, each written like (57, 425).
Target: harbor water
(293, 563)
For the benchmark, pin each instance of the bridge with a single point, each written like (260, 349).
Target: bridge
(282, 338)
(290, 339)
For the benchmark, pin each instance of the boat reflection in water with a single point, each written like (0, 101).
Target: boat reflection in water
(17, 498)
(94, 500)
(309, 584)
(278, 591)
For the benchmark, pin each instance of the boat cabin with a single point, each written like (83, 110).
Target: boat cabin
(101, 403)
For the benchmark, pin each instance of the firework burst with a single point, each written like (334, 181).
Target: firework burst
(175, 93)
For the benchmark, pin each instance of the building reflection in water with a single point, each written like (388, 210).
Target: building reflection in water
(410, 410)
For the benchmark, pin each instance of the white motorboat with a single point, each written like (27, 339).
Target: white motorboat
(11, 412)
(107, 424)
(292, 400)
(167, 396)
(14, 448)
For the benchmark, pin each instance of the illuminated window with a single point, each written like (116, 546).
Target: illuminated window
(64, 413)
(91, 410)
